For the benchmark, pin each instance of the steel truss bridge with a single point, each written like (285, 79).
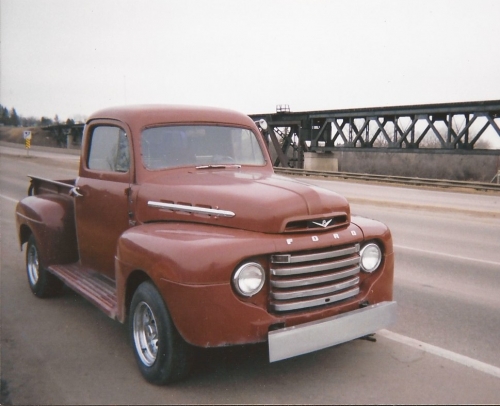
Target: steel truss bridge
(448, 128)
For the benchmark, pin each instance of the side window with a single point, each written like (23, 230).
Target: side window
(109, 150)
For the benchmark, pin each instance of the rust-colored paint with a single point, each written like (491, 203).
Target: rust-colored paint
(213, 315)
(193, 264)
(101, 217)
(191, 258)
(263, 202)
(50, 217)
(138, 118)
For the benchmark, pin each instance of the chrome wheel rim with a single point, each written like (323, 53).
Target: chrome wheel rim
(145, 334)
(33, 266)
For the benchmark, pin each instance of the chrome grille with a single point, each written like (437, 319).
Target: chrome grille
(303, 280)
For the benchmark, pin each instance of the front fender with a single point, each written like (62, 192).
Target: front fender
(191, 254)
(192, 266)
(375, 230)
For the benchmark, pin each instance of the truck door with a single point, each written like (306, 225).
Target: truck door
(102, 203)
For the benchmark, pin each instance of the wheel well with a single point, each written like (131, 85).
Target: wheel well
(133, 282)
(24, 234)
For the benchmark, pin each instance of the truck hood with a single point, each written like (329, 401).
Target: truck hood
(261, 202)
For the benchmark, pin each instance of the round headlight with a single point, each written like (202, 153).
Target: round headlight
(249, 279)
(370, 257)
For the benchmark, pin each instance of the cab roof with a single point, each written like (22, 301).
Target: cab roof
(141, 116)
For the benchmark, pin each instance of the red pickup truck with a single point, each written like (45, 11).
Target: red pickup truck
(178, 225)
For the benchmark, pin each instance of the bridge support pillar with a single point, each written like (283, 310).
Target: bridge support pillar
(320, 162)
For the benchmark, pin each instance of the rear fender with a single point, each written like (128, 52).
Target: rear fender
(50, 218)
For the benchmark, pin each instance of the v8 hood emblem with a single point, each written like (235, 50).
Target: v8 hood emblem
(324, 223)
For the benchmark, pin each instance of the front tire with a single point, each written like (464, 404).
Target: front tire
(42, 283)
(161, 353)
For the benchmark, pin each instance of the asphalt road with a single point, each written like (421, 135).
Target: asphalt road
(443, 349)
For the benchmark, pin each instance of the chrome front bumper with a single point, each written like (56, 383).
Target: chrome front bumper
(302, 339)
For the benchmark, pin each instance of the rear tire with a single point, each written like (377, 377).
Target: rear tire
(42, 283)
(161, 353)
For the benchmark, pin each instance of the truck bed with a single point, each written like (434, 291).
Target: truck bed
(41, 185)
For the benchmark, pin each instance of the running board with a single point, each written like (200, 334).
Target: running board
(95, 287)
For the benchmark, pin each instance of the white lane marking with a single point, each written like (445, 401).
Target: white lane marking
(441, 352)
(448, 255)
(9, 198)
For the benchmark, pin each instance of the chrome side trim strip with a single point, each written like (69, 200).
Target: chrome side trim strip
(282, 307)
(315, 268)
(291, 259)
(283, 284)
(316, 335)
(191, 209)
(323, 290)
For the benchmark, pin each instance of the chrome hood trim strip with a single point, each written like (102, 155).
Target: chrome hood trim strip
(191, 209)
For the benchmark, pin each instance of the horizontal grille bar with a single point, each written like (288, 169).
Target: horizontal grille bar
(293, 259)
(291, 283)
(323, 290)
(281, 307)
(315, 268)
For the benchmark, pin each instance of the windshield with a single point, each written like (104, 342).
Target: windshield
(199, 145)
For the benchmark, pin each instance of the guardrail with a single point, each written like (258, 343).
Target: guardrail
(497, 177)
(402, 180)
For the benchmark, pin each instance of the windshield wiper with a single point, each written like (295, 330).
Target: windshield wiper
(218, 166)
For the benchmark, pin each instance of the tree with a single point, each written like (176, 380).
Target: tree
(44, 121)
(14, 118)
(4, 116)
(29, 121)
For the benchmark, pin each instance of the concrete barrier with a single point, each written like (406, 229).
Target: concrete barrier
(463, 165)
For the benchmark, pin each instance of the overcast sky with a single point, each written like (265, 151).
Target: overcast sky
(72, 57)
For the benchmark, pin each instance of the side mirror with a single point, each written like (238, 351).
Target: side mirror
(262, 124)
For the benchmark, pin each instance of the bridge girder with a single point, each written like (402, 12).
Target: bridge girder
(431, 126)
